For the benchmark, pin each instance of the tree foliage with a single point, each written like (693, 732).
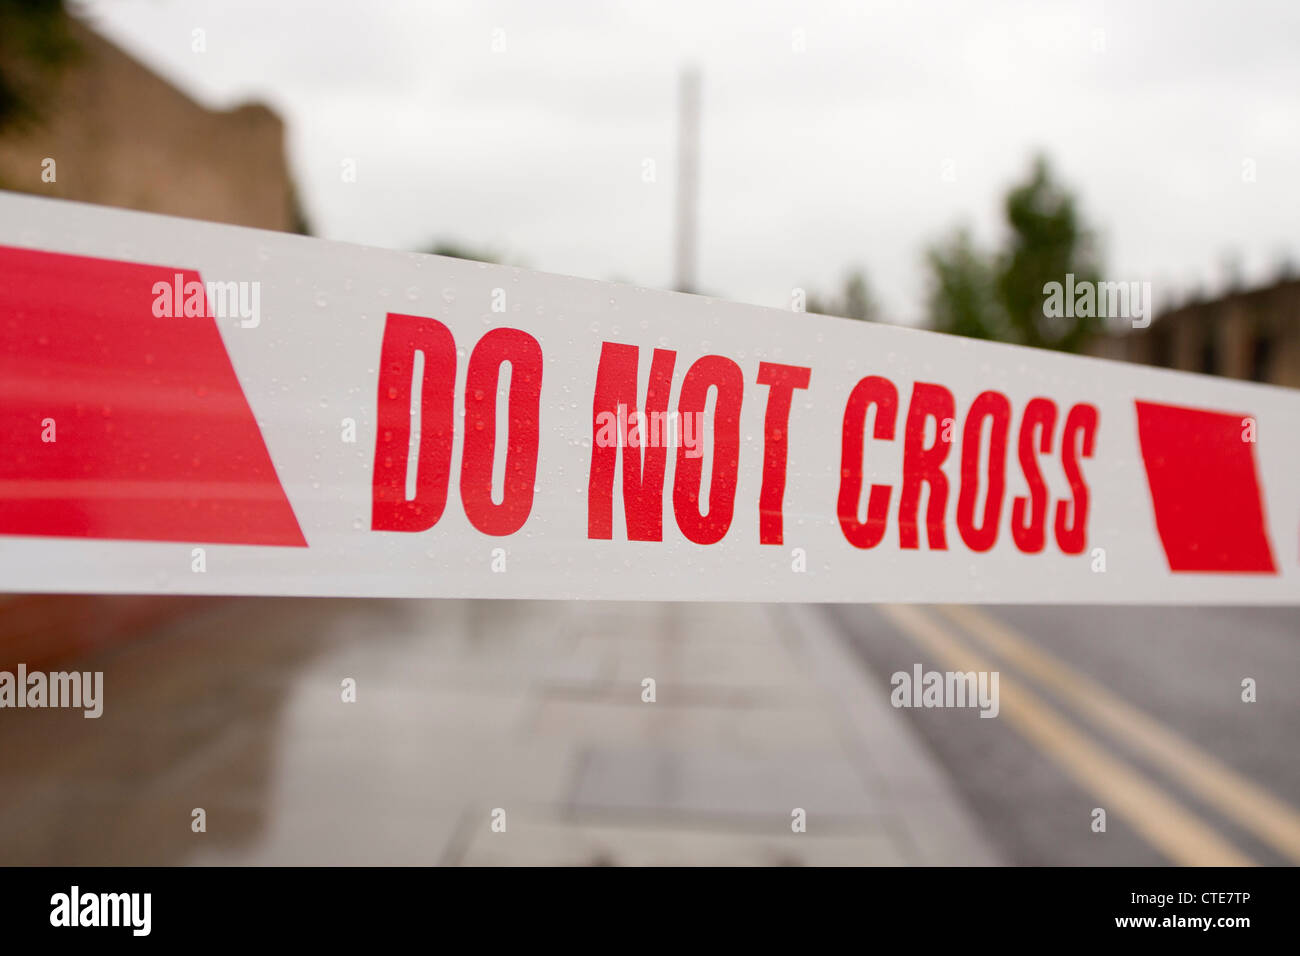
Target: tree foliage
(456, 250)
(1000, 295)
(854, 302)
(35, 40)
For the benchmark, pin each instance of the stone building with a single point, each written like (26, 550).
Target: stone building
(120, 135)
(1248, 334)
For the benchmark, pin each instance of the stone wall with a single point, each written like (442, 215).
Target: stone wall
(120, 135)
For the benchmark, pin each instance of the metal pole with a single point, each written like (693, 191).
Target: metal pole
(688, 149)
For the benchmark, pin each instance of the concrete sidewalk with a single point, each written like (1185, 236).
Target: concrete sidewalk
(465, 708)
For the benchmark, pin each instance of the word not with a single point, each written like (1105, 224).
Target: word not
(1102, 300)
(643, 473)
(222, 300)
(946, 689)
(57, 689)
(103, 909)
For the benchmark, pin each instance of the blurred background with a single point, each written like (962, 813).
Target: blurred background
(928, 164)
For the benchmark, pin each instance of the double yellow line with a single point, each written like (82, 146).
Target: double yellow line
(1165, 823)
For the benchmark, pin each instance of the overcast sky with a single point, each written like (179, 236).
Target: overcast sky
(813, 162)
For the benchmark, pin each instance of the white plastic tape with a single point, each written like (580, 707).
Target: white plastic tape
(197, 408)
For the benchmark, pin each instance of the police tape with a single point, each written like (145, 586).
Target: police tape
(196, 408)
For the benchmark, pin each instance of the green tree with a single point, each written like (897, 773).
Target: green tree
(1000, 295)
(455, 250)
(854, 302)
(963, 296)
(35, 40)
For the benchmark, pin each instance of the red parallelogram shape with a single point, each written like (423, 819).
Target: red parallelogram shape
(153, 439)
(1208, 503)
